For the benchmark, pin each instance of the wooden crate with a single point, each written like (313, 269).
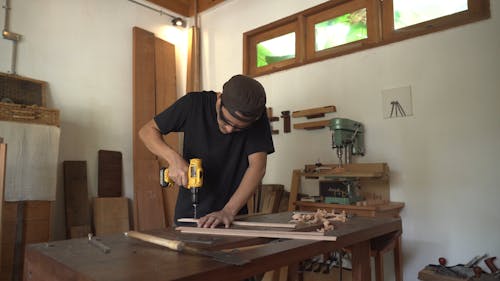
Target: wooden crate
(22, 90)
(29, 114)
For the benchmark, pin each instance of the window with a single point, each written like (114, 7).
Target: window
(341, 30)
(275, 50)
(406, 19)
(338, 27)
(272, 48)
(408, 13)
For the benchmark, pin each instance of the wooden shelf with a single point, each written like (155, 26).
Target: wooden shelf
(312, 125)
(314, 112)
(373, 179)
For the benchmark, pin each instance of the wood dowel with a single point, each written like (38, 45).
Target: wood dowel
(171, 244)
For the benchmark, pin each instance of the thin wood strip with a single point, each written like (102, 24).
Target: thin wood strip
(250, 223)
(314, 111)
(258, 233)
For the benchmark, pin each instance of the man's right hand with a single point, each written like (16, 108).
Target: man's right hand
(177, 171)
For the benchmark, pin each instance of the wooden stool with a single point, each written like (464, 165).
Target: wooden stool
(380, 246)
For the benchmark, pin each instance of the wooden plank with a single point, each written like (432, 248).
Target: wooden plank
(76, 197)
(314, 112)
(166, 95)
(110, 215)
(3, 158)
(250, 223)
(109, 173)
(270, 197)
(36, 229)
(318, 236)
(148, 202)
(312, 125)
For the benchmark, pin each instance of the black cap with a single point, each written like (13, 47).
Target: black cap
(245, 95)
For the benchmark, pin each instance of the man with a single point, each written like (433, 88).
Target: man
(230, 132)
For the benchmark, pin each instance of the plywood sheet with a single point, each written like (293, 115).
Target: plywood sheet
(109, 174)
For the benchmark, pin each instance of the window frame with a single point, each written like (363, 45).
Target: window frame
(477, 10)
(253, 38)
(333, 12)
(380, 31)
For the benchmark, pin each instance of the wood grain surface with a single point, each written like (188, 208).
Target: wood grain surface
(76, 199)
(109, 173)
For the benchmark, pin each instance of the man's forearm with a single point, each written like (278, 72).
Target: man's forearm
(152, 139)
(251, 180)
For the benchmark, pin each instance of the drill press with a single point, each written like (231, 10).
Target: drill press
(347, 140)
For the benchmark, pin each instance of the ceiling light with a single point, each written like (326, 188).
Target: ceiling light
(179, 22)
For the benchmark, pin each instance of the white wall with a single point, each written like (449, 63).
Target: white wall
(83, 49)
(444, 159)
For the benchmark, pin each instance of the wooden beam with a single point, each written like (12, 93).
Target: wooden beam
(314, 112)
(312, 125)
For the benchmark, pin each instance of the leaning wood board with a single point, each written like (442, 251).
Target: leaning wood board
(109, 174)
(76, 199)
(148, 201)
(166, 95)
(3, 153)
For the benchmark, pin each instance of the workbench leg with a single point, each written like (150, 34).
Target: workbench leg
(361, 261)
(398, 259)
(292, 273)
(294, 189)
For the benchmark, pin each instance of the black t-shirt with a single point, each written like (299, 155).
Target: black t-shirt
(224, 156)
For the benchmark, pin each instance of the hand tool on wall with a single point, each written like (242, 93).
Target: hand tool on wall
(179, 246)
(195, 181)
(286, 120)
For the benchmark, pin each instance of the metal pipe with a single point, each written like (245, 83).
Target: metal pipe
(156, 10)
(7, 8)
(14, 37)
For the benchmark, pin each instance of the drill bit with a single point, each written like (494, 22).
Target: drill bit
(194, 199)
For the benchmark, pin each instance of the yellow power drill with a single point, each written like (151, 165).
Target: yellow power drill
(195, 181)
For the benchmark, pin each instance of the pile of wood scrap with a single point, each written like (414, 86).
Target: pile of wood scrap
(320, 216)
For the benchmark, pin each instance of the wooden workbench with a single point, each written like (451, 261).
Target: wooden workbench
(132, 259)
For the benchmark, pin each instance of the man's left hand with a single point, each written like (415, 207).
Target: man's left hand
(213, 219)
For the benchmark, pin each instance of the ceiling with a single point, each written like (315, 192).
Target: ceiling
(186, 7)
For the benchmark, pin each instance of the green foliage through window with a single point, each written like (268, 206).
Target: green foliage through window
(341, 30)
(412, 12)
(275, 50)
